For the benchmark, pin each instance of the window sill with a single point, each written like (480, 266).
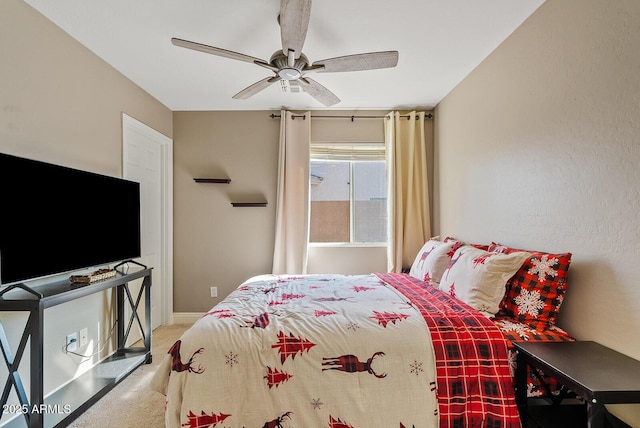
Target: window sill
(348, 244)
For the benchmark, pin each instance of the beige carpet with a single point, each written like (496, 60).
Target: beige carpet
(131, 403)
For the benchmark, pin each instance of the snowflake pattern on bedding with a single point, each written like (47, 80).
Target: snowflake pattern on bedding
(529, 303)
(545, 273)
(543, 267)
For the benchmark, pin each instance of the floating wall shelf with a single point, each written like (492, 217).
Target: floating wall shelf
(249, 204)
(212, 180)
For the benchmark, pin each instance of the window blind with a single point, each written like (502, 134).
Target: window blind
(347, 151)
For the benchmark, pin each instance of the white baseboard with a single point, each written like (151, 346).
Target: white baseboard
(186, 317)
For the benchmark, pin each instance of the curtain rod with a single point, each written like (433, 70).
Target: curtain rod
(352, 117)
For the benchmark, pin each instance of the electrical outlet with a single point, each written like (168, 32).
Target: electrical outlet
(214, 291)
(84, 337)
(72, 342)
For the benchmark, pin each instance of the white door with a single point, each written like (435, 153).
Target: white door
(146, 160)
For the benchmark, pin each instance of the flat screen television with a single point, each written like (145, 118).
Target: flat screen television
(55, 219)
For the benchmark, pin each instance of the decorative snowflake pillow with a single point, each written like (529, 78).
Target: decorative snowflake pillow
(432, 259)
(536, 291)
(478, 277)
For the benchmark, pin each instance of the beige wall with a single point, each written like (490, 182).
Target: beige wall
(539, 148)
(216, 245)
(62, 104)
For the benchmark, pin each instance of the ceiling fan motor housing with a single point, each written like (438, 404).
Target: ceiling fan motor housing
(286, 72)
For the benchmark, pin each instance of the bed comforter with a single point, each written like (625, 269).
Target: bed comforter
(336, 351)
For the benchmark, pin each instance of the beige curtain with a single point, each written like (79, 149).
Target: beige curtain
(292, 209)
(408, 208)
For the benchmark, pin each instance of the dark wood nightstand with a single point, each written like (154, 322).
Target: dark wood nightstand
(594, 372)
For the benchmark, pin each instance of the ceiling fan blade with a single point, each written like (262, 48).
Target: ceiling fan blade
(215, 51)
(364, 61)
(294, 21)
(260, 85)
(318, 91)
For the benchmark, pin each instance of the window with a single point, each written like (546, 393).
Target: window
(348, 194)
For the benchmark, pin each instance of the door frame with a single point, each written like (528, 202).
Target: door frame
(130, 124)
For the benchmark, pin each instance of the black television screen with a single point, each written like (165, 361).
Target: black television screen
(56, 219)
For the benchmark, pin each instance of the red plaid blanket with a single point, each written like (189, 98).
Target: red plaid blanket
(475, 387)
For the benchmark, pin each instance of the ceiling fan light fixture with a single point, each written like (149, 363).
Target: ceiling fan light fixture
(289, 73)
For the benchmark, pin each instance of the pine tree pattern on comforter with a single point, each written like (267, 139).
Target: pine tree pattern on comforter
(336, 351)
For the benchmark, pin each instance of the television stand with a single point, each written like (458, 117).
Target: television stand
(126, 262)
(67, 403)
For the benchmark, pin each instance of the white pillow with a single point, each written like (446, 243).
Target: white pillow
(432, 259)
(479, 277)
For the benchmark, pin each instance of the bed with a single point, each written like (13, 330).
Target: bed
(427, 348)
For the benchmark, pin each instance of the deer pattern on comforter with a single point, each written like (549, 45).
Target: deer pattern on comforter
(338, 351)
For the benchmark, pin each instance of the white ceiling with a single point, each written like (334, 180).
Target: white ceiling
(439, 43)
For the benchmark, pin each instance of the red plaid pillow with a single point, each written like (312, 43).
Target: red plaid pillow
(535, 293)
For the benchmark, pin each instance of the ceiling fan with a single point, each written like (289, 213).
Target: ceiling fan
(290, 64)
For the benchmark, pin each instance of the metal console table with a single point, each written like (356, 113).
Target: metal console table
(65, 404)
